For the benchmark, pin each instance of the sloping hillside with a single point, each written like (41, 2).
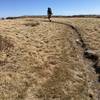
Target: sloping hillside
(40, 60)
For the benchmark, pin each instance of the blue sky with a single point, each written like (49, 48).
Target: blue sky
(39, 7)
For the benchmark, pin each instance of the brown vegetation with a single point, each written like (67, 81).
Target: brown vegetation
(44, 62)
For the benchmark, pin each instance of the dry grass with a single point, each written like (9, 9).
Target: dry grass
(31, 23)
(43, 60)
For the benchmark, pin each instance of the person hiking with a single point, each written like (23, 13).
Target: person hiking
(49, 13)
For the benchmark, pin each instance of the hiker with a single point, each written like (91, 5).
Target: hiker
(49, 12)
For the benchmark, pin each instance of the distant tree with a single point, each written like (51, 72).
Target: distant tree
(2, 18)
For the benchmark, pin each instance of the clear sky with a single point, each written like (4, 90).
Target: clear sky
(39, 7)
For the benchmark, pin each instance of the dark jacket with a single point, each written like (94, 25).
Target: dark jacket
(49, 11)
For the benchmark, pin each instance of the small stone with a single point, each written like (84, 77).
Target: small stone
(78, 41)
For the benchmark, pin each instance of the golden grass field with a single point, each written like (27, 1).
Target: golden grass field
(40, 60)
